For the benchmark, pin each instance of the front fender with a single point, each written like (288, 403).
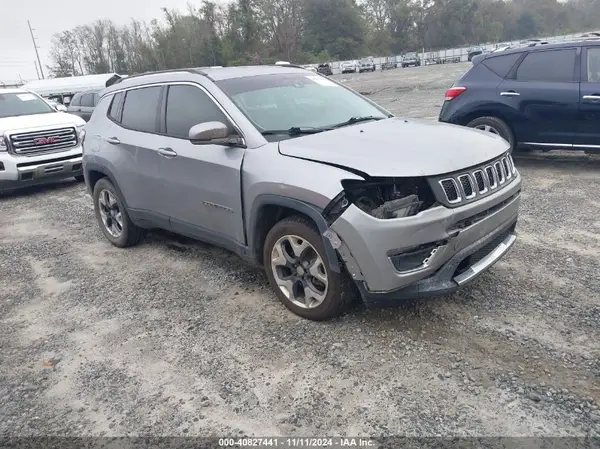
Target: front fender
(291, 203)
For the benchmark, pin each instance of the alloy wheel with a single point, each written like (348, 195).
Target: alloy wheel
(111, 215)
(299, 271)
(487, 129)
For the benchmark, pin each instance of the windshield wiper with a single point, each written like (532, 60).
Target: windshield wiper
(353, 120)
(294, 131)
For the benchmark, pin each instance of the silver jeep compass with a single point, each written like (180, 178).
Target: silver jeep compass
(333, 195)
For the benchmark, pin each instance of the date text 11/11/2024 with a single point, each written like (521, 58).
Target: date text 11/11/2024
(284, 442)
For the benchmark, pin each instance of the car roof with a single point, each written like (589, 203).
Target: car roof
(213, 73)
(574, 43)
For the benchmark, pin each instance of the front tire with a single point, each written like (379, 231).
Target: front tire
(496, 126)
(296, 265)
(112, 216)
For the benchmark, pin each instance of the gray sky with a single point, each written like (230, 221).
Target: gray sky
(50, 16)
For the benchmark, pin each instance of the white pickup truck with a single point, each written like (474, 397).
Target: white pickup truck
(37, 143)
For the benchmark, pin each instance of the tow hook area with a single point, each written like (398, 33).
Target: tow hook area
(344, 252)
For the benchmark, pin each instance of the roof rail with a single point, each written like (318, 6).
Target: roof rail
(158, 72)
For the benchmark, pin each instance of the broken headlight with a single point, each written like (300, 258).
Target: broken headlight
(383, 198)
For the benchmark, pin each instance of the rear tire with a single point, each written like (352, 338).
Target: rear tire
(113, 218)
(297, 267)
(496, 126)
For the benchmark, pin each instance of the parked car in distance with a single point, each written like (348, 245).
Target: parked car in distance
(366, 65)
(37, 143)
(411, 60)
(474, 51)
(83, 103)
(230, 156)
(349, 67)
(543, 97)
(324, 69)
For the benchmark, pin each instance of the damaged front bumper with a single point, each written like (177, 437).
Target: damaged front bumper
(456, 245)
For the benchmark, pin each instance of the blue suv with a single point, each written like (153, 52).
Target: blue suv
(544, 97)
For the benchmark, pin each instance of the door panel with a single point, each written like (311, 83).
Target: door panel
(544, 95)
(588, 131)
(200, 184)
(137, 144)
(200, 188)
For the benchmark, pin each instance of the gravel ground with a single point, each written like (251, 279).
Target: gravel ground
(181, 338)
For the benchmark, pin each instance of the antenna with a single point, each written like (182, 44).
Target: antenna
(36, 49)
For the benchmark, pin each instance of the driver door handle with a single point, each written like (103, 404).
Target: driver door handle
(113, 140)
(510, 93)
(167, 152)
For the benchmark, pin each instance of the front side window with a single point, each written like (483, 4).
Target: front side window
(593, 65)
(188, 106)
(22, 103)
(140, 111)
(555, 66)
(296, 100)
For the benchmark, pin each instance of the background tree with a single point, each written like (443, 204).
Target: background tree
(263, 31)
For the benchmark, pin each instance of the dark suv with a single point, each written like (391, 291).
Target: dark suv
(543, 97)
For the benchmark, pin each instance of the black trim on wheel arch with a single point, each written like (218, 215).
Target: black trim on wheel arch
(92, 166)
(300, 206)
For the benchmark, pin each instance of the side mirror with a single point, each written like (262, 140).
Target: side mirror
(213, 133)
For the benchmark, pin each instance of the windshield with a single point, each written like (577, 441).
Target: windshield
(22, 103)
(296, 100)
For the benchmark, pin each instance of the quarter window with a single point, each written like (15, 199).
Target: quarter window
(188, 106)
(501, 65)
(115, 107)
(141, 108)
(555, 66)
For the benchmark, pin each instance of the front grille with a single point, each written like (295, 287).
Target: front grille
(451, 190)
(469, 185)
(46, 141)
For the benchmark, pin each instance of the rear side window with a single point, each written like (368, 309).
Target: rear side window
(87, 100)
(501, 65)
(140, 109)
(115, 107)
(593, 65)
(188, 106)
(548, 66)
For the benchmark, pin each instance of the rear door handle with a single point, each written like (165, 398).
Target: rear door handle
(510, 93)
(594, 97)
(113, 140)
(167, 152)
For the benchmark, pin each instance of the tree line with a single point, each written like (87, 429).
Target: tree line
(307, 31)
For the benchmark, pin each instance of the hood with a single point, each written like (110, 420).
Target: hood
(398, 147)
(39, 121)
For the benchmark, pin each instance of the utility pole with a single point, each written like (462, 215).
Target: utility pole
(36, 69)
(36, 49)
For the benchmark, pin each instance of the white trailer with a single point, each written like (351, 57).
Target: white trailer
(63, 89)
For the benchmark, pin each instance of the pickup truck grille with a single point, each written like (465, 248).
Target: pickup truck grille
(47, 141)
(470, 185)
